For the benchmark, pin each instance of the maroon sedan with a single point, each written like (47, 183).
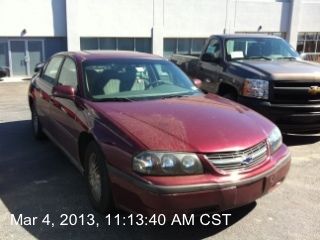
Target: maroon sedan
(148, 141)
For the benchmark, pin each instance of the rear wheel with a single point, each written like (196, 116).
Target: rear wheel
(36, 125)
(97, 179)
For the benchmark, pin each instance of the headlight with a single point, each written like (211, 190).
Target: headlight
(256, 88)
(162, 163)
(275, 139)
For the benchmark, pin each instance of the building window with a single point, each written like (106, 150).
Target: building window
(182, 46)
(278, 34)
(143, 45)
(89, 43)
(4, 60)
(128, 44)
(107, 44)
(308, 42)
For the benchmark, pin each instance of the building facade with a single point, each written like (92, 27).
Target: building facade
(32, 30)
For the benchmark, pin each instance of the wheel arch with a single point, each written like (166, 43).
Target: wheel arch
(227, 88)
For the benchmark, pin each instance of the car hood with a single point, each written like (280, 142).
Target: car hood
(282, 69)
(204, 124)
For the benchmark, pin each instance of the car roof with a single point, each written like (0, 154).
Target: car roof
(105, 54)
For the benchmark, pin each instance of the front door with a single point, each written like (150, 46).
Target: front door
(64, 112)
(45, 83)
(19, 58)
(210, 73)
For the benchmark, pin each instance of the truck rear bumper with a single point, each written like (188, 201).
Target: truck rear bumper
(291, 118)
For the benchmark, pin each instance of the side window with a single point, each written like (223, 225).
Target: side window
(214, 48)
(68, 74)
(51, 71)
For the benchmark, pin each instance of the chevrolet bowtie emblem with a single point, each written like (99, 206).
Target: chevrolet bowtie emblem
(247, 160)
(314, 90)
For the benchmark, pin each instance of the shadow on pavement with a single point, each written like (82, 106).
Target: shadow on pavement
(37, 179)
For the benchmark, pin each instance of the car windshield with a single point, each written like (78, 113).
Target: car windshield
(126, 80)
(259, 48)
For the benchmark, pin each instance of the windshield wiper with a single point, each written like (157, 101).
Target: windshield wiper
(177, 95)
(115, 99)
(259, 57)
(290, 58)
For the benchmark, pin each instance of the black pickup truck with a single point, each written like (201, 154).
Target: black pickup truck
(262, 72)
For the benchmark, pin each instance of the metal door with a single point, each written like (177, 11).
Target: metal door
(19, 57)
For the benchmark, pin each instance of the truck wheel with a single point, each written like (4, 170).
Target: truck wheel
(36, 125)
(230, 96)
(97, 179)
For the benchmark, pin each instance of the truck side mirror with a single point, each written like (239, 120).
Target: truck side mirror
(208, 57)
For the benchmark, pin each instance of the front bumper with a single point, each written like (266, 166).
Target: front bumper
(141, 197)
(291, 118)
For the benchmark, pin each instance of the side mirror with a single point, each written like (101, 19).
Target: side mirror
(2, 73)
(61, 91)
(303, 56)
(197, 82)
(208, 57)
(38, 67)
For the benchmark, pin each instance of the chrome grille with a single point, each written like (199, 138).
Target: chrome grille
(239, 160)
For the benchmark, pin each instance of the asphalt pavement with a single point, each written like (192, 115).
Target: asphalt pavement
(37, 179)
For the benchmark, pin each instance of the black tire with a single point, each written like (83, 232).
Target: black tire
(97, 179)
(36, 125)
(230, 96)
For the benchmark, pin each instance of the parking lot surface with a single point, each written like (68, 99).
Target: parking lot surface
(37, 179)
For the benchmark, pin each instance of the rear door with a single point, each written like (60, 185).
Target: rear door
(43, 92)
(65, 113)
(210, 72)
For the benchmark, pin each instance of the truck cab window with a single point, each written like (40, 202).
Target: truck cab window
(214, 48)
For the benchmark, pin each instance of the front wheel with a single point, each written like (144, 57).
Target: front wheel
(36, 125)
(230, 96)
(97, 179)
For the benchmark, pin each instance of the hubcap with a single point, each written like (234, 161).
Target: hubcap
(94, 177)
